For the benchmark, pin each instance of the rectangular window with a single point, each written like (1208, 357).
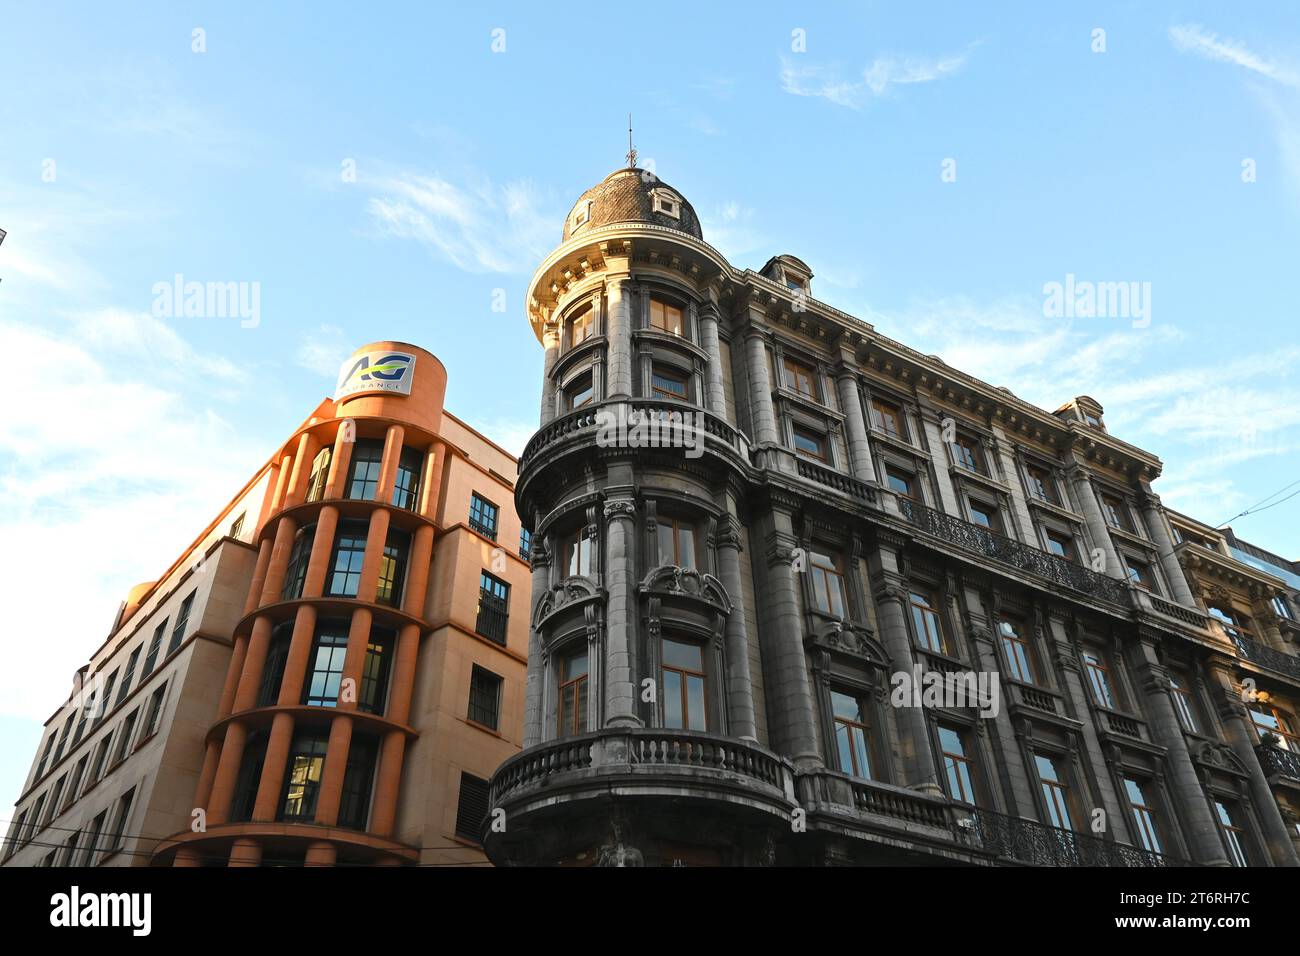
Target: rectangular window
(363, 472)
(925, 618)
(325, 669)
(153, 713)
(900, 482)
(1282, 608)
(246, 782)
(576, 553)
(572, 709)
(683, 686)
(155, 645)
(985, 515)
(580, 326)
(126, 679)
(1270, 720)
(124, 739)
(102, 700)
(273, 670)
(1139, 573)
(526, 544)
(1094, 666)
(74, 784)
(63, 737)
(392, 568)
(17, 839)
(237, 526)
(801, 378)
(957, 764)
(182, 622)
(580, 393)
(966, 451)
(1041, 485)
(406, 482)
(484, 697)
(345, 564)
(1056, 794)
(375, 670)
(1234, 834)
(1015, 648)
(56, 800)
(354, 802)
(320, 471)
(483, 516)
(1184, 705)
(676, 542)
(665, 317)
(809, 443)
(120, 819)
(829, 595)
(1115, 512)
(45, 755)
(667, 383)
(69, 850)
(1061, 545)
(295, 575)
(1144, 815)
(852, 734)
(101, 756)
(303, 775)
(887, 417)
(471, 808)
(91, 851)
(493, 607)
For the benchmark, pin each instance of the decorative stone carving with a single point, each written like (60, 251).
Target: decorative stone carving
(568, 591)
(687, 582)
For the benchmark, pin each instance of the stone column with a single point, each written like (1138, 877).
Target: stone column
(551, 343)
(337, 480)
(1158, 528)
(1098, 530)
(271, 785)
(715, 394)
(739, 686)
(297, 490)
(1185, 791)
(792, 719)
(919, 770)
(620, 613)
(1242, 738)
(285, 530)
(250, 677)
(846, 384)
(392, 455)
(322, 546)
(223, 785)
(761, 411)
(245, 851)
(534, 682)
(620, 304)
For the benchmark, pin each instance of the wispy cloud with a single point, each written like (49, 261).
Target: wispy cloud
(323, 350)
(477, 226)
(730, 228)
(1194, 38)
(873, 82)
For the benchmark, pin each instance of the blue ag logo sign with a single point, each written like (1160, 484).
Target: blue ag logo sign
(376, 372)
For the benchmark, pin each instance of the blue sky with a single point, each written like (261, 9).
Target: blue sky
(127, 158)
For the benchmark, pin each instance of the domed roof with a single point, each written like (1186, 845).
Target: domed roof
(631, 195)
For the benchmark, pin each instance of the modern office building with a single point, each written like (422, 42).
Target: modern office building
(327, 675)
(754, 517)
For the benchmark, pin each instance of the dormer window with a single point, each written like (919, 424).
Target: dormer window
(666, 202)
(581, 214)
(1093, 420)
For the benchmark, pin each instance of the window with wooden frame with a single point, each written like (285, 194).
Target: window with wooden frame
(1139, 573)
(1061, 544)
(676, 540)
(1184, 702)
(958, 766)
(1116, 513)
(826, 570)
(575, 553)
(925, 619)
(579, 392)
(668, 382)
(1099, 682)
(967, 453)
(1268, 719)
(809, 443)
(902, 483)
(888, 418)
(1144, 812)
(801, 378)
(580, 326)
(571, 712)
(1232, 621)
(683, 685)
(985, 515)
(851, 713)
(1016, 650)
(665, 317)
(1056, 791)
(1041, 484)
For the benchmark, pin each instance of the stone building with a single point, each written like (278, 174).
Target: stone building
(329, 673)
(754, 519)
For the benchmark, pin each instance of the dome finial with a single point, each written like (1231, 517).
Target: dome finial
(631, 150)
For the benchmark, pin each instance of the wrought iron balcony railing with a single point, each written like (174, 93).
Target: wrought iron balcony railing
(981, 540)
(1265, 656)
(1275, 760)
(1039, 845)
